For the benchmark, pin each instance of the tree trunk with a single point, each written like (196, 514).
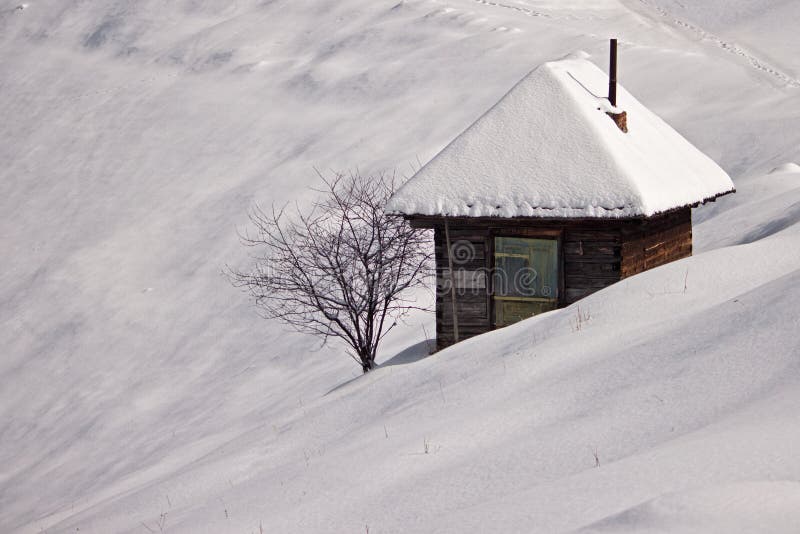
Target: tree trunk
(367, 364)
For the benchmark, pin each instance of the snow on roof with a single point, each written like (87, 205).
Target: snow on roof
(548, 149)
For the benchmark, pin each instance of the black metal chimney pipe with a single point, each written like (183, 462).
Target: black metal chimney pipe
(612, 74)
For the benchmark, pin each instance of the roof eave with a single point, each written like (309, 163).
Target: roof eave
(421, 216)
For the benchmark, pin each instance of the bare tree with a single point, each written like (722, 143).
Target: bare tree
(341, 269)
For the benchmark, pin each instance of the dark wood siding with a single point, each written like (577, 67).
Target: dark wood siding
(591, 260)
(471, 254)
(594, 254)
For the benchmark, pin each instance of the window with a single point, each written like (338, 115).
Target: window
(525, 278)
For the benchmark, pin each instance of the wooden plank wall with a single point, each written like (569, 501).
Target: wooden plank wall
(594, 255)
(653, 242)
(591, 256)
(471, 253)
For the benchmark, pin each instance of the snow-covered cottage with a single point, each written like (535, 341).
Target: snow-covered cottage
(545, 199)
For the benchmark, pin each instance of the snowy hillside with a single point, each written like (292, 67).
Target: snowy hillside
(140, 392)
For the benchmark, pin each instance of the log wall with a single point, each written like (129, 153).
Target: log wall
(652, 242)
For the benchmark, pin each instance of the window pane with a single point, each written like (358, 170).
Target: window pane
(526, 268)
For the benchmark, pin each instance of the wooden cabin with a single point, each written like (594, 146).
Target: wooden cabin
(552, 195)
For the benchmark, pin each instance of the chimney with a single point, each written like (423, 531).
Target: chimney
(620, 119)
(612, 74)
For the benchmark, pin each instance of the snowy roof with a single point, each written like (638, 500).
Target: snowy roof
(548, 149)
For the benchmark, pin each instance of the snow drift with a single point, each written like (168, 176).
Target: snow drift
(139, 391)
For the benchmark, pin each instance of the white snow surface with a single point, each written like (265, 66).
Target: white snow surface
(549, 149)
(140, 392)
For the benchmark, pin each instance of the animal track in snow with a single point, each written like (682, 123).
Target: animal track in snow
(728, 47)
(524, 10)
